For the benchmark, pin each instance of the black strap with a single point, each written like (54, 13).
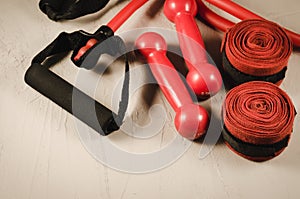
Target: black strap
(239, 77)
(85, 108)
(253, 150)
(70, 9)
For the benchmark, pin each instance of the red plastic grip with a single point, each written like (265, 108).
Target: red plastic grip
(204, 78)
(85, 48)
(191, 120)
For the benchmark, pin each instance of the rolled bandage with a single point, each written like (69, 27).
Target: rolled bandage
(256, 50)
(258, 120)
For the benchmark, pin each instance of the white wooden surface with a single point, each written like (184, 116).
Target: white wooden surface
(41, 155)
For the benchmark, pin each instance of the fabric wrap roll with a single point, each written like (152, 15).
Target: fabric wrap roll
(256, 50)
(258, 120)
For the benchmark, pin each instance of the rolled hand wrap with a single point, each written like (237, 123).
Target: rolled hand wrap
(258, 120)
(256, 50)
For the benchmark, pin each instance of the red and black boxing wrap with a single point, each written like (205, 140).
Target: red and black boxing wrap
(256, 50)
(258, 120)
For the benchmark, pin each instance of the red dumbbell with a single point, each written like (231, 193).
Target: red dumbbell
(191, 120)
(204, 78)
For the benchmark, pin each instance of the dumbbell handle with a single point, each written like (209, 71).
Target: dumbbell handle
(190, 40)
(182, 13)
(168, 80)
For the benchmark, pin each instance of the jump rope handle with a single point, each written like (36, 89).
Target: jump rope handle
(204, 78)
(191, 119)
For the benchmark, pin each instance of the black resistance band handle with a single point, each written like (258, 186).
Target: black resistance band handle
(67, 96)
(62, 93)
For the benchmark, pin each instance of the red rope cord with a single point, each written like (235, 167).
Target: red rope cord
(237, 11)
(125, 13)
(212, 18)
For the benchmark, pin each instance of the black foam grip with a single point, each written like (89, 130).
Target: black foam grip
(71, 99)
